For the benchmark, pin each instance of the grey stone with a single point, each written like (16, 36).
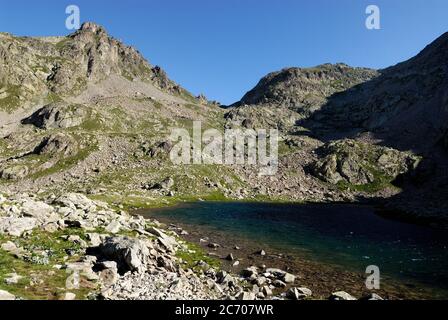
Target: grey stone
(14, 172)
(246, 296)
(266, 291)
(76, 201)
(298, 293)
(114, 227)
(131, 254)
(341, 295)
(16, 226)
(288, 278)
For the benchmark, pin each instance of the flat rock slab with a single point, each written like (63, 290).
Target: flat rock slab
(16, 226)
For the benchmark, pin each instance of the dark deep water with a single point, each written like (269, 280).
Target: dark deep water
(347, 235)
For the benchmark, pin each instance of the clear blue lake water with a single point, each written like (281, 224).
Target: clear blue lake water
(350, 236)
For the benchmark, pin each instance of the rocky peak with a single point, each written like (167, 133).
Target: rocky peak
(305, 88)
(64, 66)
(92, 27)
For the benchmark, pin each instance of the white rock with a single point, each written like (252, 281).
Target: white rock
(108, 264)
(69, 296)
(298, 293)
(113, 227)
(289, 278)
(5, 295)
(39, 210)
(9, 246)
(246, 296)
(276, 272)
(76, 201)
(94, 238)
(12, 278)
(16, 226)
(341, 295)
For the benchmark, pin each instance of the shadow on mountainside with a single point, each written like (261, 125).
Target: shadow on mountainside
(405, 108)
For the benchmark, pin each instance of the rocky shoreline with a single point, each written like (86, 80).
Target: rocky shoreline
(322, 278)
(98, 252)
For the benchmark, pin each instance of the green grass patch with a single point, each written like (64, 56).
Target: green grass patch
(63, 43)
(11, 101)
(380, 182)
(193, 254)
(41, 281)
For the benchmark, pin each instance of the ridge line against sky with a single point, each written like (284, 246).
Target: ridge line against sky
(222, 48)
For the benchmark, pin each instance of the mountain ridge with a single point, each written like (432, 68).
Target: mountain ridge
(107, 135)
(63, 66)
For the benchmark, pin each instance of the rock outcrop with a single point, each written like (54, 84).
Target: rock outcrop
(305, 89)
(58, 115)
(130, 254)
(358, 163)
(42, 68)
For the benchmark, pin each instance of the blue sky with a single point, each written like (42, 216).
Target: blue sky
(223, 47)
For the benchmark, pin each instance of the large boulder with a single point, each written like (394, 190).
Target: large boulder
(43, 212)
(298, 293)
(130, 254)
(14, 172)
(168, 242)
(58, 143)
(57, 115)
(76, 201)
(166, 184)
(16, 226)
